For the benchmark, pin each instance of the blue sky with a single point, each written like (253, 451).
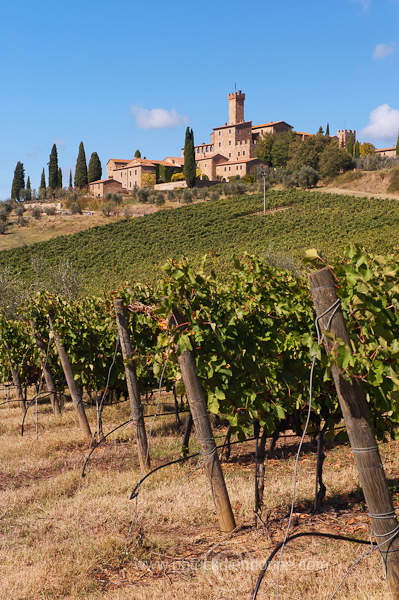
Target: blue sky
(132, 75)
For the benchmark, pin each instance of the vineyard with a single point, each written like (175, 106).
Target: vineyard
(295, 220)
(117, 361)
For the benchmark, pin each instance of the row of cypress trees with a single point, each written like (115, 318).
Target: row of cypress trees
(83, 174)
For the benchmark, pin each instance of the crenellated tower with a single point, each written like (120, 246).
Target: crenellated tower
(236, 107)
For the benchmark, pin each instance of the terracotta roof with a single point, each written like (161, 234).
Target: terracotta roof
(237, 162)
(243, 124)
(385, 149)
(270, 124)
(211, 156)
(303, 133)
(105, 181)
(178, 159)
(119, 160)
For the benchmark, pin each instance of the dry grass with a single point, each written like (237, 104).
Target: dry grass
(67, 537)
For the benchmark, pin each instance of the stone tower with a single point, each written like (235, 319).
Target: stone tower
(236, 107)
(344, 135)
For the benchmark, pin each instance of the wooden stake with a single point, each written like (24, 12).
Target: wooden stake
(355, 411)
(198, 408)
(73, 388)
(132, 385)
(47, 372)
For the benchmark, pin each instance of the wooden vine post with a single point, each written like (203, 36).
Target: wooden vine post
(353, 403)
(199, 412)
(73, 388)
(132, 385)
(48, 377)
(17, 384)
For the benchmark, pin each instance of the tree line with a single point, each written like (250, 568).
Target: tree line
(84, 174)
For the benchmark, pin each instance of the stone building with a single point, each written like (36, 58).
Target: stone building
(231, 150)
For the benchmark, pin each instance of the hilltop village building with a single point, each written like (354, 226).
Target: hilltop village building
(231, 152)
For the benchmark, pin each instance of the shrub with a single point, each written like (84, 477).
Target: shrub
(36, 212)
(177, 177)
(142, 195)
(307, 177)
(108, 208)
(75, 208)
(187, 196)
(50, 210)
(171, 195)
(3, 227)
(21, 221)
(19, 211)
(159, 199)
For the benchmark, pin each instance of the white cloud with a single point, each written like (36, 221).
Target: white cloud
(60, 143)
(157, 118)
(33, 152)
(383, 50)
(384, 123)
(365, 4)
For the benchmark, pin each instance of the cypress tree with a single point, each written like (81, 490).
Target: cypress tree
(137, 154)
(81, 179)
(28, 192)
(189, 169)
(59, 178)
(327, 130)
(70, 179)
(95, 170)
(321, 131)
(53, 169)
(357, 150)
(43, 181)
(350, 145)
(42, 190)
(397, 146)
(18, 183)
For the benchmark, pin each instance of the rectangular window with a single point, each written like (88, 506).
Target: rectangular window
(220, 143)
(229, 130)
(229, 154)
(238, 154)
(225, 168)
(229, 168)
(229, 142)
(243, 152)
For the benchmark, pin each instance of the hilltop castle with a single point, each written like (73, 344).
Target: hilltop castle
(230, 152)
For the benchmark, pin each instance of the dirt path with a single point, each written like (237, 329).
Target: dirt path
(344, 192)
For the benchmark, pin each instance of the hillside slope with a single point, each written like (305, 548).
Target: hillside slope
(295, 220)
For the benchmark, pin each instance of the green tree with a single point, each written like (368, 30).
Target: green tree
(59, 177)
(356, 151)
(280, 148)
(43, 181)
(81, 179)
(18, 182)
(333, 160)
(351, 143)
(367, 149)
(397, 146)
(42, 188)
(137, 154)
(327, 130)
(28, 191)
(95, 169)
(264, 148)
(70, 179)
(53, 169)
(307, 152)
(320, 131)
(189, 169)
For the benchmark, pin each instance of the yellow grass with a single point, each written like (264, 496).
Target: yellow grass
(67, 537)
